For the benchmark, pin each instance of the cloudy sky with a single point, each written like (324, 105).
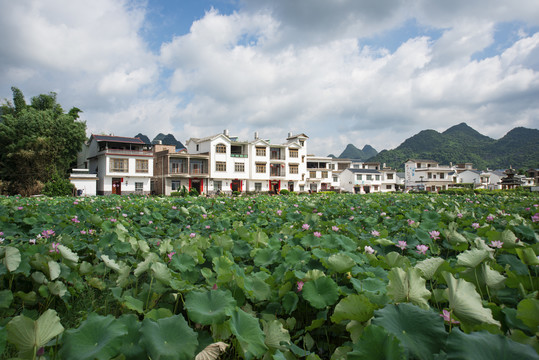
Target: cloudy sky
(342, 71)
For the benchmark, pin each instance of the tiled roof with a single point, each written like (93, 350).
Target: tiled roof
(119, 139)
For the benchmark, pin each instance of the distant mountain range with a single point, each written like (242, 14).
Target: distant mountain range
(168, 139)
(519, 148)
(352, 152)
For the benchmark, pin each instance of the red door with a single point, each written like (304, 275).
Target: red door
(117, 186)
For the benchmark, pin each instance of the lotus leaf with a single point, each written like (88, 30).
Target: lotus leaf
(169, 338)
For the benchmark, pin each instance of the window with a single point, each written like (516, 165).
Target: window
(239, 167)
(389, 187)
(220, 148)
(390, 176)
(375, 187)
(324, 174)
(429, 175)
(260, 151)
(302, 188)
(258, 186)
(175, 185)
(141, 166)
(335, 179)
(369, 177)
(359, 177)
(260, 168)
(119, 165)
(293, 169)
(377, 177)
(312, 174)
(220, 166)
(139, 187)
(442, 175)
(293, 153)
(198, 147)
(217, 185)
(302, 143)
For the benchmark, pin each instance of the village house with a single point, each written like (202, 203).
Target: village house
(428, 175)
(123, 165)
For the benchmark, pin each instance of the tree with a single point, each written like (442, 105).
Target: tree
(37, 141)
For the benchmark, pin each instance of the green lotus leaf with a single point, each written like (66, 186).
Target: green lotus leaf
(527, 256)
(257, 288)
(321, 292)
(528, 312)
(408, 286)
(466, 303)
(12, 258)
(57, 288)
(168, 338)
(110, 263)
(313, 275)
(144, 266)
(472, 258)
(376, 343)
(353, 307)
(492, 278)
(161, 272)
(98, 337)
(421, 332)
(85, 268)
(265, 257)
(131, 348)
(486, 346)
(156, 314)
(429, 267)
(6, 298)
(39, 277)
(133, 304)
(209, 307)
(68, 254)
(276, 335)
(247, 330)
(29, 335)
(340, 263)
(509, 240)
(290, 302)
(384, 242)
(54, 269)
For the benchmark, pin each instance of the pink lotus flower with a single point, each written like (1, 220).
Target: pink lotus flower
(204, 216)
(1, 233)
(411, 222)
(422, 249)
(75, 220)
(174, 207)
(490, 218)
(319, 214)
(208, 226)
(188, 226)
(434, 235)
(300, 285)
(447, 317)
(351, 218)
(214, 287)
(476, 225)
(112, 220)
(91, 231)
(535, 218)
(375, 233)
(83, 232)
(497, 244)
(47, 233)
(55, 247)
(170, 255)
(192, 235)
(279, 212)
(317, 234)
(369, 250)
(31, 241)
(459, 215)
(402, 244)
(334, 228)
(305, 226)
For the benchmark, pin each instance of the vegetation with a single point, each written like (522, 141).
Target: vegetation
(352, 152)
(393, 276)
(460, 143)
(37, 142)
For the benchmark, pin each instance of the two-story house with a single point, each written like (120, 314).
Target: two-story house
(123, 165)
(176, 169)
(319, 175)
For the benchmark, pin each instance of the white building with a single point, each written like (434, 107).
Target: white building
(85, 183)
(123, 165)
(428, 175)
(255, 165)
(319, 175)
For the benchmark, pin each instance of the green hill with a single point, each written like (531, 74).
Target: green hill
(460, 143)
(352, 152)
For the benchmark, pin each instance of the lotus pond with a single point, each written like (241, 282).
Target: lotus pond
(393, 276)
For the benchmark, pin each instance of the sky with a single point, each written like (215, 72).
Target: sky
(341, 71)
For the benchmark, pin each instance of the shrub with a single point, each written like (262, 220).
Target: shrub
(284, 192)
(58, 186)
(193, 192)
(236, 193)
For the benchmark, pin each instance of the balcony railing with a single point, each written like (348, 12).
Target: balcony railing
(127, 152)
(239, 155)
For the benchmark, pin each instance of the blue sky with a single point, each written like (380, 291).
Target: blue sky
(341, 71)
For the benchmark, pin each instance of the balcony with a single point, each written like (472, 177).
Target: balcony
(277, 154)
(276, 170)
(126, 152)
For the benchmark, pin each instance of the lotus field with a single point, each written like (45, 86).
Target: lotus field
(322, 276)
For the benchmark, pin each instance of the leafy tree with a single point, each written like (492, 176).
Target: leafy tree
(37, 141)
